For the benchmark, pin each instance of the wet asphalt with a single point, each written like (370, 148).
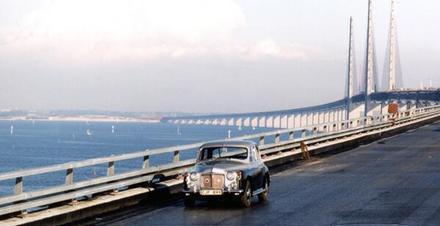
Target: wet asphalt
(394, 181)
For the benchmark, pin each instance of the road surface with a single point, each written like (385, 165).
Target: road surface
(395, 181)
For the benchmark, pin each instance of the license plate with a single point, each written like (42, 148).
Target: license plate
(211, 192)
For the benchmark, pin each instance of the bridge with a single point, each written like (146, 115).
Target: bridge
(334, 111)
(363, 96)
(385, 179)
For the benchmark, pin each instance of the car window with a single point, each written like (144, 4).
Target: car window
(223, 152)
(255, 155)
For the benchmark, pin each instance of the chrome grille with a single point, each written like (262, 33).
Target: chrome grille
(212, 181)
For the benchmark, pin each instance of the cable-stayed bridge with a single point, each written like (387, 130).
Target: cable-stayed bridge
(365, 96)
(334, 111)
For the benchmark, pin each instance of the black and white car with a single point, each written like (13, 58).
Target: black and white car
(227, 168)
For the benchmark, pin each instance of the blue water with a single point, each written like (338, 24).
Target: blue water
(43, 143)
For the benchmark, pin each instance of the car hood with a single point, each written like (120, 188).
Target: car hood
(216, 166)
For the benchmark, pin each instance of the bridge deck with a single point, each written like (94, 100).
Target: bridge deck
(394, 181)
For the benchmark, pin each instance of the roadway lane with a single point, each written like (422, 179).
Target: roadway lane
(393, 181)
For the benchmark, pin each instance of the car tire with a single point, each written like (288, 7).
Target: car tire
(245, 198)
(189, 201)
(264, 196)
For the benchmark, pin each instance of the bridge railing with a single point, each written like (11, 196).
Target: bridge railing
(22, 201)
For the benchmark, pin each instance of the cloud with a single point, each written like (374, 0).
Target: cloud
(112, 30)
(270, 48)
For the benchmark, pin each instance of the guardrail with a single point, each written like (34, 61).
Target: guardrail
(22, 201)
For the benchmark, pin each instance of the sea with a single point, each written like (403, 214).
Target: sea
(27, 144)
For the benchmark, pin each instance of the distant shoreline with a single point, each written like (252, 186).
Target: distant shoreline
(82, 119)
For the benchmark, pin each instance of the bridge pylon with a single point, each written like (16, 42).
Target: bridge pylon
(370, 84)
(392, 77)
(351, 72)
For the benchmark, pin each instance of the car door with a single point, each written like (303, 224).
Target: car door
(258, 168)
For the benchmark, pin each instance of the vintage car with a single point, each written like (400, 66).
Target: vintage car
(227, 168)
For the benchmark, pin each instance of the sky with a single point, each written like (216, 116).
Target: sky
(199, 55)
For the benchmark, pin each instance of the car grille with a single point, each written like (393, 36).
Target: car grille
(213, 181)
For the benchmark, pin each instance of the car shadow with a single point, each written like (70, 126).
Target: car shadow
(231, 205)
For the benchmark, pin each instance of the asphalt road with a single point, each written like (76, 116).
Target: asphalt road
(395, 181)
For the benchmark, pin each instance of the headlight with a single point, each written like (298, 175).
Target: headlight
(193, 176)
(231, 175)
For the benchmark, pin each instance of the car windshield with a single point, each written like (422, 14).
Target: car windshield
(223, 153)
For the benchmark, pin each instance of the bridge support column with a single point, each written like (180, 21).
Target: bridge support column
(315, 118)
(303, 121)
(291, 121)
(239, 122)
(326, 117)
(284, 122)
(321, 118)
(309, 119)
(338, 115)
(343, 114)
(247, 122)
(297, 121)
(231, 122)
(277, 121)
(254, 122)
(262, 122)
(269, 122)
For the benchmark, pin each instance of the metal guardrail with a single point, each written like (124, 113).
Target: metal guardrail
(22, 201)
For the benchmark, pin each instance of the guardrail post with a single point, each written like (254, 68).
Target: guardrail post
(146, 162)
(261, 140)
(111, 168)
(69, 176)
(277, 138)
(291, 135)
(19, 190)
(18, 185)
(176, 156)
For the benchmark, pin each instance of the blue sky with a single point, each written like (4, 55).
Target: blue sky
(198, 55)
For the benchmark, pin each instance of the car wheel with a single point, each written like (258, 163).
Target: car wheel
(189, 201)
(245, 198)
(264, 196)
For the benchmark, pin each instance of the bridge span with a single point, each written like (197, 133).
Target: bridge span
(394, 181)
(307, 116)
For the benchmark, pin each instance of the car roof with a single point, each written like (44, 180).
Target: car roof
(233, 143)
